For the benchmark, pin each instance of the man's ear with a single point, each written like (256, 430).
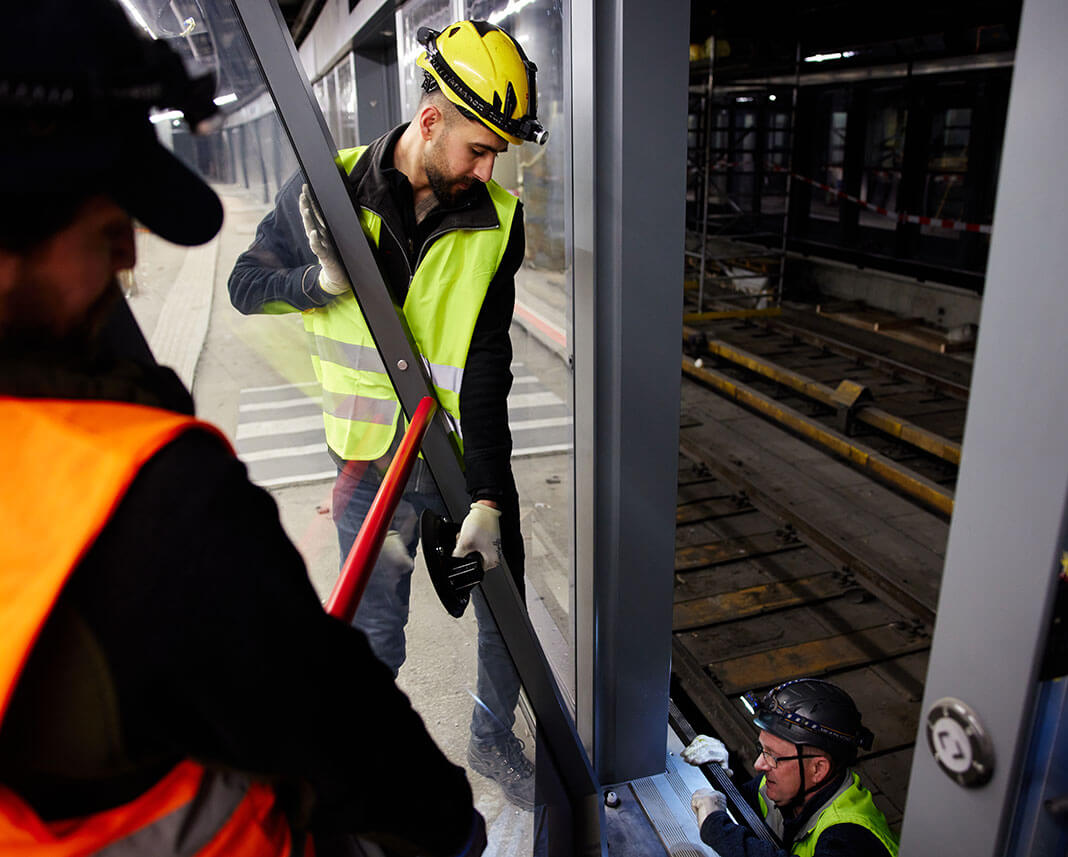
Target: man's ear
(430, 117)
(821, 769)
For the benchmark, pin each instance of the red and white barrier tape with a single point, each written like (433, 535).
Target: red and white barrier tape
(939, 222)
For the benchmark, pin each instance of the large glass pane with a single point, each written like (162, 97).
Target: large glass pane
(436, 14)
(292, 375)
(346, 103)
(831, 164)
(541, 403)
(883, 155)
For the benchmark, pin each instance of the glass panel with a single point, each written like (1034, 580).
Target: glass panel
(829, 171)
(436, 14)
(304, 398)
(331, 111)
(541, 403)
(947, 166)
(883, 153)
(346, 103)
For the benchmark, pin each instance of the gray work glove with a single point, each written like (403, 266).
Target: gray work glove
(332, 278)
(704, 750)
(480, 533)
(394, 555)
(704, 802)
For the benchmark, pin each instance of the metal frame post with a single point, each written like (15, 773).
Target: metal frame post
(303, 122)
(630, 71)
(1008, 526)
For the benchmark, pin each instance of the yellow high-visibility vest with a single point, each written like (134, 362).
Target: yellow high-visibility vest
(445, 295)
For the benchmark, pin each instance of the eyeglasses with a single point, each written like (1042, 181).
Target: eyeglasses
(773, 760)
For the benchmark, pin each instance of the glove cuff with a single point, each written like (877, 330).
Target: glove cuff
(329, 287)
(482, 507)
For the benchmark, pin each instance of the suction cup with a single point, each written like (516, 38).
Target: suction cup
(453, 577)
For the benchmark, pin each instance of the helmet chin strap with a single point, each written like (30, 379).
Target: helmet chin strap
(799, 799)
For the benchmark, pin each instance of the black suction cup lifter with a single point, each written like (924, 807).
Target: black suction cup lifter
(453, 577)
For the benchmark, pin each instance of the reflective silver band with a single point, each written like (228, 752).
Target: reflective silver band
(360, 408)
(189, 828)
(363, 357)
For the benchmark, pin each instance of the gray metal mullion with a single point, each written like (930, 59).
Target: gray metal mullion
(303, 122)
(1008, 527)
(629, 228)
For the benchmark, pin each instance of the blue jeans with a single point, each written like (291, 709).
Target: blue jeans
(383, 609)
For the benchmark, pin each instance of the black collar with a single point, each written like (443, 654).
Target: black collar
(372, 180)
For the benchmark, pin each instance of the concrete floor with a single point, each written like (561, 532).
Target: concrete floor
(226, 352)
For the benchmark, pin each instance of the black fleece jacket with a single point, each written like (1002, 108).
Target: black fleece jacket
(279, 267)
(212, 645)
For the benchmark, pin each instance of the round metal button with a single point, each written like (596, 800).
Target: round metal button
(959, 743)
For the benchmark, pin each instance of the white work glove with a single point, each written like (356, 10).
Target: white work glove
(704, 802)
(481, 533)
(704, 750)
(394, 555)
(332, 278)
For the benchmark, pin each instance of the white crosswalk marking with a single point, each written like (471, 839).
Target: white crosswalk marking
(280, 429)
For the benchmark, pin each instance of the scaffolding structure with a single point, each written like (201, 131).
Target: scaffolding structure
(739, 160)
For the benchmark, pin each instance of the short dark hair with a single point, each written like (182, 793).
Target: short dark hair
(432, 92)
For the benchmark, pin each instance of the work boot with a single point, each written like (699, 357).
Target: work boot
(504, 762)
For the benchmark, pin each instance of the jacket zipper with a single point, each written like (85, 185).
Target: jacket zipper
(433, 236)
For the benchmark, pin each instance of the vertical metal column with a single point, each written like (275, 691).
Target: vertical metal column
(1008, 527)
(630, 71)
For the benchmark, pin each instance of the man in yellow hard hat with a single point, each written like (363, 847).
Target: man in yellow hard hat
(448, 241)
(166, 667)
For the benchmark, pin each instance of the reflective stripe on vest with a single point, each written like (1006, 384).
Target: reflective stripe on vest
(445, 295)
(851, 804)
(69, 466)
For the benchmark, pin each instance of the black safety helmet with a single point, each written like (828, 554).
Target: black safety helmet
(77, 81)
(814, 712)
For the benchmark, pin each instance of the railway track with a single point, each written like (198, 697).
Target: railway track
(899, 421)
(791, 561)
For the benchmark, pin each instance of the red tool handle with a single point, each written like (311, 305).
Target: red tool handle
(361, 559)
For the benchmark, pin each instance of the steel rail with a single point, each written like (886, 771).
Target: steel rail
(894, 591)
(865, 458)
(877, 418)
(869, 358)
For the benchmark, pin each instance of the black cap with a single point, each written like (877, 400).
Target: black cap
(77, 81)
(816, 712)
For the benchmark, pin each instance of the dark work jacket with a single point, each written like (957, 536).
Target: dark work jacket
(838, 840)
(209, 642)
(279, 266)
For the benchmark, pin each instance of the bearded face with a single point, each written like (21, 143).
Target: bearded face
(459, 155)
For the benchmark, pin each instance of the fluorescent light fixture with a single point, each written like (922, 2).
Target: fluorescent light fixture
(837, 55)
(748, 707)
(169, 115)
(136, 15)
(509, 10)
(166, 116)
(743, 99)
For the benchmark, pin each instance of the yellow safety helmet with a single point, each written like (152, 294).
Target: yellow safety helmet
(479, 67)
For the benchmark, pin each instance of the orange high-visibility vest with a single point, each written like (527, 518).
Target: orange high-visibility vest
(67, 466)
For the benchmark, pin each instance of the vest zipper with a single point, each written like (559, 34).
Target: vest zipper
(433, 236)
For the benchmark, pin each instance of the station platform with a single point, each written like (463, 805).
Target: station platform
(248, 375)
